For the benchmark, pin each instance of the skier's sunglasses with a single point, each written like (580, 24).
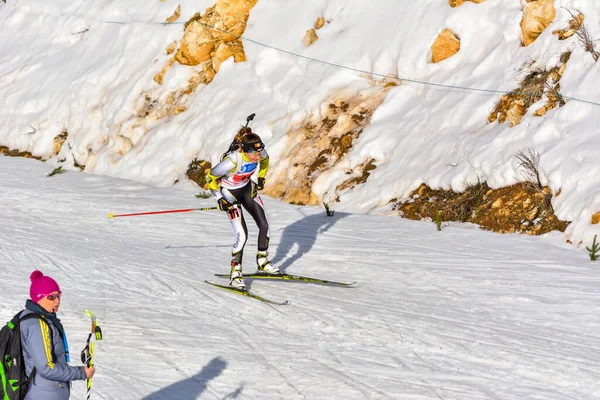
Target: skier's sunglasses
(53, 297)
(253, 147)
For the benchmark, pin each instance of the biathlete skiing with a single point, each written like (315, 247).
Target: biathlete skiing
(232, 187)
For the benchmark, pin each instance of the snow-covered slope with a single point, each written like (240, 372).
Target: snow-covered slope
(54, 77)
(459, 314)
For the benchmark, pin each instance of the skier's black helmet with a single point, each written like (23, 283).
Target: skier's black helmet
(251, 142)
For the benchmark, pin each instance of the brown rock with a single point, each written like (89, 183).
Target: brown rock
(172, 47)
(175, 15)
(310, 37)
(532, 214)
(574, 26)
(319, 23)
(516, 112)
(223, 52)
(158, 78)
(234, 14)
(541, 112)
(537, 15)
(456, 3)
(58, 141)
(196, 45)
(446, 45)
(560, 71)
(596, 218)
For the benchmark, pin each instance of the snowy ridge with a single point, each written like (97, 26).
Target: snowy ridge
(93, 84)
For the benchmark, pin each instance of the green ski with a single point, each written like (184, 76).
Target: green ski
(87, 354)
(246, 293)
(287, 277)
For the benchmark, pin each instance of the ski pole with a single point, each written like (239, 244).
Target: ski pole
(87, 354)
(111, 215)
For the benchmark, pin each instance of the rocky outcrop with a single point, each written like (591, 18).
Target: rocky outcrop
(321, 142)
(446, 45)
(16, 153)
(212, 38)
(519, 208)
(200, 40)
(537, 15)
(538, 82)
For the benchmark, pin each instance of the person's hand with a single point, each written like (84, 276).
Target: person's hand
(260, 185)
(224, 205)
(89, 372)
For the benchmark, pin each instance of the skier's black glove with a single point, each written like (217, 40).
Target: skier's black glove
(224, 205)
(260, 185)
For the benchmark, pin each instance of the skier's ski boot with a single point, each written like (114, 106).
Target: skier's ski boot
(235, 277)
(264, 265)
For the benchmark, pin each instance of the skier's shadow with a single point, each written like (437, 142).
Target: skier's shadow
(302, 233)
(192, 387)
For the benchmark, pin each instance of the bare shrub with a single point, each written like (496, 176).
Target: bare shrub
(585, 39)
(470, 201)
(529, 165)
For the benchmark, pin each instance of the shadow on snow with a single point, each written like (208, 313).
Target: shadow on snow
(192, 387)
(302, 233)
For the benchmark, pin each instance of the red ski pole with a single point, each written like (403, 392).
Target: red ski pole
(111, 215)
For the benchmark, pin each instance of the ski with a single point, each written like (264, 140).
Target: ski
(246, 293)
(287, 277)
(87, 354)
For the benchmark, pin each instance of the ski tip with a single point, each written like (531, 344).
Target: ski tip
(110, 216)
(98, 332)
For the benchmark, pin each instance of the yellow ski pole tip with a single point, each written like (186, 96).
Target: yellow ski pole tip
(110, 216)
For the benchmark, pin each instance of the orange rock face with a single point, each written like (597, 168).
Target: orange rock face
(446, 45)
(537, 15)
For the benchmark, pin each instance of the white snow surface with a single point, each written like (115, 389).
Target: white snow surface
(55, 77)
(460, 314)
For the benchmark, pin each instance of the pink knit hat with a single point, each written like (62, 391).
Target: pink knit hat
(41, 286)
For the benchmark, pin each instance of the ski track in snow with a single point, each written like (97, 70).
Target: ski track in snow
(458, 314)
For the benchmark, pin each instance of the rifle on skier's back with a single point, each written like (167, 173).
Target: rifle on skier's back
(237, 141)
